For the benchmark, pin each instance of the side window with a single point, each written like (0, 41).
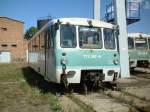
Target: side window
(68, 36)
(130, 43)
(34, 44)
(42, 41)
(53, 34)
(49, 38)
(109, 39)
(149, 42)
(39, 42)
(141, 43)
(46, 39)
(29, 46)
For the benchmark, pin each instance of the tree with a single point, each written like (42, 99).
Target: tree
(30, 32)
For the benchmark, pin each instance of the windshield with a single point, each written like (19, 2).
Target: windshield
(109, 39)
(67, 36)
(90, 37)
(141, 43)
(130, 43)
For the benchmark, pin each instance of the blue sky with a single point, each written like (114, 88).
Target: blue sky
(29, 11)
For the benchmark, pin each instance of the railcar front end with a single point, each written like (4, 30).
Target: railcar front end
(139, 50)
(86, 52)
(75, 50)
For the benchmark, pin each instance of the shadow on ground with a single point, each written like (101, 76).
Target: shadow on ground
(36, 80)
(140, 74)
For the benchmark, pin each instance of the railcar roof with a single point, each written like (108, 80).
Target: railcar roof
(84, 21)
(76, 21)
(136, 35)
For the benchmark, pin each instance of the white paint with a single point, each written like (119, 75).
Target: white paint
(77, 77)
(137, 35)
(5, 57)
(120, 20)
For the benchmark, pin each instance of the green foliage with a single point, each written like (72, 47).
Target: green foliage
(54, 103)
(30, 32)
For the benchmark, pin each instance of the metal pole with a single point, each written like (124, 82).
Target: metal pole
(96, 9)
(120, 20)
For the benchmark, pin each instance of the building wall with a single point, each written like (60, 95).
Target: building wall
(11, 39)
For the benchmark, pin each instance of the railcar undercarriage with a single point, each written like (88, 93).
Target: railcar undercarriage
(91, 80)
(94, 80)
(142, 63)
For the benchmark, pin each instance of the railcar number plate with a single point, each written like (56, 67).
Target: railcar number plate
(92, 56)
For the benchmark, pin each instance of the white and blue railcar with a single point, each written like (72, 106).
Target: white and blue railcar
(75, 50)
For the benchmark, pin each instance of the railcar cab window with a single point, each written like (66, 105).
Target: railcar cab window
(109, 39)
(90, 37)
(141, 43)
(130, 43)
(68, 36)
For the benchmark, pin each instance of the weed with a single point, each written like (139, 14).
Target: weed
(131, 102)
(143, 98)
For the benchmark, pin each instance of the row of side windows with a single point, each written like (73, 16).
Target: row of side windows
(42, 41)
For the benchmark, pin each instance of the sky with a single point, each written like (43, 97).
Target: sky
(29, 11)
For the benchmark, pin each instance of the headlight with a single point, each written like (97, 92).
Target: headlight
(64, 61)
(116, 62)
(110, 72)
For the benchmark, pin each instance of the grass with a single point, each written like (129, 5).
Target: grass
(23, 90)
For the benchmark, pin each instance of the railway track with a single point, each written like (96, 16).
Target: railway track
(98, 102)
(102, 102)
(142, 105)
(133, 97)
(110, 101)
(135, 90)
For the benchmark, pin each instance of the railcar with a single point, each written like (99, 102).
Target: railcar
(139, 50)
(75, 50)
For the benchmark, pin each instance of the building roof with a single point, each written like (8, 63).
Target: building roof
(12, 19)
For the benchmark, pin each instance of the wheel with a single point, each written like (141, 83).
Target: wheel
(84, 88)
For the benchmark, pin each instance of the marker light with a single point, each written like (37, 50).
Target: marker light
(64, 61)
(116, 62)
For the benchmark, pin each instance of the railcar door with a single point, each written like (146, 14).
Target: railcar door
(49, 56)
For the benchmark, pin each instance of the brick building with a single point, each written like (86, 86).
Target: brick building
(12, 44)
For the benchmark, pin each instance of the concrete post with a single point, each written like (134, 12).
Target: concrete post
(96, 9)
(120, 20)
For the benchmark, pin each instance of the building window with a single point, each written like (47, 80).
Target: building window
(14, 45)
(4, 28)
(4, 45)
